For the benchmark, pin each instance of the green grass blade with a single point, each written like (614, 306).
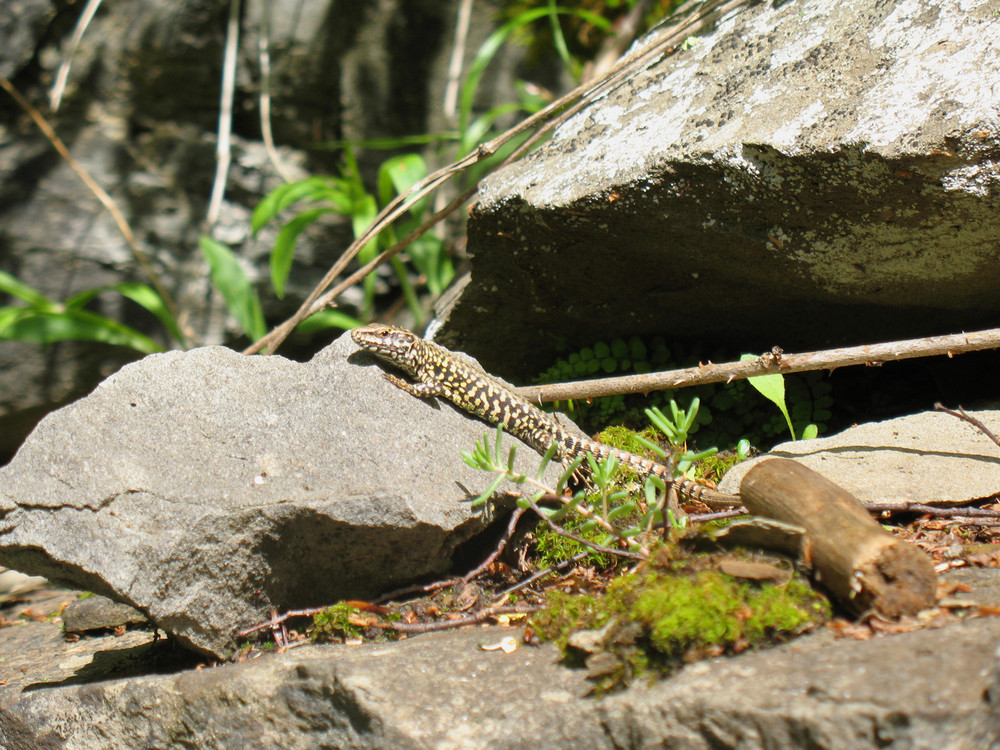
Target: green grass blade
(284, 247)
(570, 470)
(546, 459)
(228, 277)
(48, 327)
(313, 188)
(17, 288)
(657, 449)
(146, 297)
(559, 40)
(489, 491)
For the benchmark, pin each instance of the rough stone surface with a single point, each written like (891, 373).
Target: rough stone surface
(203, 488)
(930, 458)
(807, 174)
(22, 23)
(936, 689)
(99, 613)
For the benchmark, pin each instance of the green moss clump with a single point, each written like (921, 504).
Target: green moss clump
(622, 438)
(335, 624)
(674, 610)
(709, 609)
(565, 613)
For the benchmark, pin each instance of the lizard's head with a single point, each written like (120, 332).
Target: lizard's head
(389, 342)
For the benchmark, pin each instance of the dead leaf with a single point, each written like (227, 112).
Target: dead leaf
(508, 645)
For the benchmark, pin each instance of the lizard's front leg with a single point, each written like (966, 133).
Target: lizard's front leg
(420, 390)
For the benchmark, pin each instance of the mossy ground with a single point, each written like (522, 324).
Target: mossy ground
(675, 608)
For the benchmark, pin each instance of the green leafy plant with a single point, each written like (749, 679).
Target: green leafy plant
(677, 429)
(41, 320)
(620, 516)
(345, 195)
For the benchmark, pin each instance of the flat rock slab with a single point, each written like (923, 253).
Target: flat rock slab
(204, 488)
(935, 689)
(931, 458)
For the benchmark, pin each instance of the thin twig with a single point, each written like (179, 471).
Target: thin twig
(615, 44)
(515, 516)
(772, 362)
(932, 510)
(717, 516)
(474, 619)
(426, 588)
(97, 190)
(274, 338)
(223, 150)
(962, 414)
(278, 619)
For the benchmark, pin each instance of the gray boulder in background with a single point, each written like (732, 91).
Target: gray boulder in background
(204, 488)
(808, 173)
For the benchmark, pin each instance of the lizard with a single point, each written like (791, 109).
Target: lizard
(438, 372)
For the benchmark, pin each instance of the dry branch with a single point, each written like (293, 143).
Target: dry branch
(772, 362)
(862, 565)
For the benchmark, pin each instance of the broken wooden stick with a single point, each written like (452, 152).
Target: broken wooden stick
(865, 567)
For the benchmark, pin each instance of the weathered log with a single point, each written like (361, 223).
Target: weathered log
(865, 567)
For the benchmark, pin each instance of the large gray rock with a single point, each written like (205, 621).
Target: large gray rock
(204, 488)
(935, 689)
(807, 173)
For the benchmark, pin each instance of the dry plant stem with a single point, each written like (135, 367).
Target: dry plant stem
(767, 363)
(279, 619)
(223, 152)
(862, 565)
(89, 11)
(962, 414)
(264, 55)
(473, 619)
(97, 190)
(314, 302)
(515, 516)
(541, 574)
(399, 205)
(615, 45)
(931, 510)
(278, 630)
(453, 81)
(422, 589)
